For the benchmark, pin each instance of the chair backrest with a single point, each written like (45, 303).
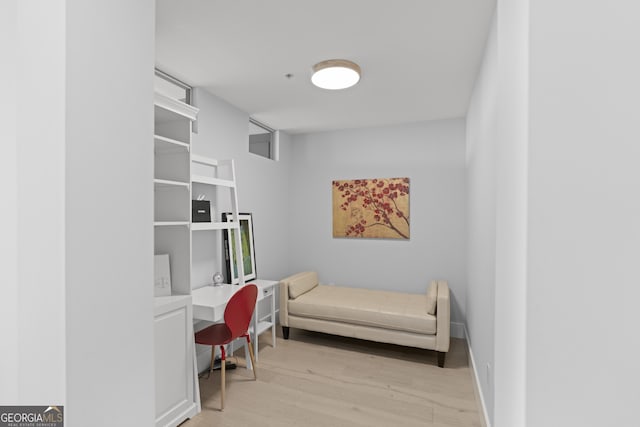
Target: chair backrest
(237, 314)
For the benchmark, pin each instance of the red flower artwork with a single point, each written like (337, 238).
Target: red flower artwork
(371, 208)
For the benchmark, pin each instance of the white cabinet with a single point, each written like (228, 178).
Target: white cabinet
(174, 369)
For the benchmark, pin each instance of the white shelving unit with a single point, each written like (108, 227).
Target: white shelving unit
(208, 175)
(194, 249)
(177, 392)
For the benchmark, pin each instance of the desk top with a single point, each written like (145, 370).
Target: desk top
(210, 301)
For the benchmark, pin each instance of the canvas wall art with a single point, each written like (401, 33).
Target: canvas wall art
(246, 242)
(371, 208)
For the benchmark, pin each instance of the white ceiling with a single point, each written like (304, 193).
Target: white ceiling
(419, 58)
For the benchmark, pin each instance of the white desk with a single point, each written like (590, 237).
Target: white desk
(261, 323)
(209, 303)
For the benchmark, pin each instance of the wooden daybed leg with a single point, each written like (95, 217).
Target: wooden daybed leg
(285, 332)
(441, 355)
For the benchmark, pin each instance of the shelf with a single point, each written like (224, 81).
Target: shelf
(173, 106)
(177, 394)
(205, 226)
(212, 181)
(208, 161)
(262, 326)
(165, 183)
(267, 316)
(204, 160)
(167, 145)
(171, 223)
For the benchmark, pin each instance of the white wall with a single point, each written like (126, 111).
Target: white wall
(584, 211)
(78, 176)
(566, 216)
(34, 182)
(223, 133)
(109, 211)
(432, 155)
(482, 150)
(9, 323)
(511, 215)
(497, 137)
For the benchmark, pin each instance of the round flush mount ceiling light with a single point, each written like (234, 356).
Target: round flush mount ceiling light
(335, 74)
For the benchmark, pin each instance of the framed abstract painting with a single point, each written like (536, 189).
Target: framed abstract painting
(375, 208)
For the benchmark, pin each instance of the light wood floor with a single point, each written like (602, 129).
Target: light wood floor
(314, 379)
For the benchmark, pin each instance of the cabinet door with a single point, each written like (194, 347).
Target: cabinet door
(174, 364)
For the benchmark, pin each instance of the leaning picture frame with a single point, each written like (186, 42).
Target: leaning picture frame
(248, 250)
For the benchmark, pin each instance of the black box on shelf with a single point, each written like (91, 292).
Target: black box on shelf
(200, 211)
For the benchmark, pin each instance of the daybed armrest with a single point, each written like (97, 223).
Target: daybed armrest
(292, 287)
(284, 298)
(443, 320)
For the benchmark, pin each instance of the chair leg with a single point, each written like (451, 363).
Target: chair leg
(441, 355)
(213, 359)
(222, 373)
(253, 359)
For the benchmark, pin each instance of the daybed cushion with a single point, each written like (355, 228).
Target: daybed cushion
(432, 297)
(391, 310)
(303, 283)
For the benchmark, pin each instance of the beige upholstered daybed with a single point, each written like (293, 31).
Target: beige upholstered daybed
(415, 320)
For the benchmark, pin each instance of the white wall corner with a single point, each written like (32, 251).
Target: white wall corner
(458, 330)
(275, 146)
(476, 383)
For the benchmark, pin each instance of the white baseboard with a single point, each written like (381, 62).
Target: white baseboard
(476, 381)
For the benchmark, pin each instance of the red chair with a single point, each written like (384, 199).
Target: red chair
(237, 316)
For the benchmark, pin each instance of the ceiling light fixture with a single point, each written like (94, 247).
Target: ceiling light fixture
(335, 74)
